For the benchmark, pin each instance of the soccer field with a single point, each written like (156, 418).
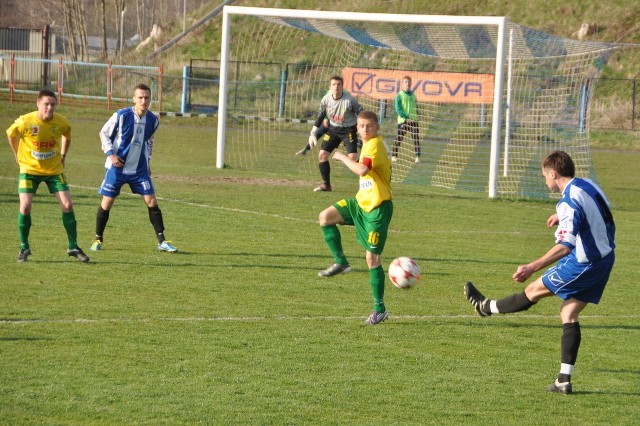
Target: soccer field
(237, 328)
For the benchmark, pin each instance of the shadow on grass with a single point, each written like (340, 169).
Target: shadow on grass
(20, 339)
(617, 371)
(603, 392)
(484, 322)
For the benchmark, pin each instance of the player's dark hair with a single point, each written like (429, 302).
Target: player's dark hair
(561, 162)
(369, 115)
(47, 93)
(337, 77)
(406, 77)
(142, 87)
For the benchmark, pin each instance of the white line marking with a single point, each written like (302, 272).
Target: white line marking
(298, 219)
(289, 318)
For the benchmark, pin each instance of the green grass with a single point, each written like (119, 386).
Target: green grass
(237, 328)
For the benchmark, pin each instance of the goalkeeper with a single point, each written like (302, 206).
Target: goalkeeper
(320, 131)
(405, 105)
(342, 110)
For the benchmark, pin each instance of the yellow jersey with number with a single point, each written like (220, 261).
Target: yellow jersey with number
(40, 143)
(375, 186)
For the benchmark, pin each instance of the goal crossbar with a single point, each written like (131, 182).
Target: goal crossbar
(361, 16)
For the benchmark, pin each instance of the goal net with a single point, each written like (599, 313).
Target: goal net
(493, 97)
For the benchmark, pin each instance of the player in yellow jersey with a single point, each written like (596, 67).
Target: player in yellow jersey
(370, 211)
(40, 141)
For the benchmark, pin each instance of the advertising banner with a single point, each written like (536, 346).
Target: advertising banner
(442, 87)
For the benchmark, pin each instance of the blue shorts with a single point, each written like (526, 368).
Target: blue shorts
(582, 281)
(114, 179)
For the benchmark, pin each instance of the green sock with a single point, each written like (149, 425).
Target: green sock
(69, 222)
(376, 281)
(24, 226)
(332, 236)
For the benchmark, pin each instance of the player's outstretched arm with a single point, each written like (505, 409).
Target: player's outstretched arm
(556, 253)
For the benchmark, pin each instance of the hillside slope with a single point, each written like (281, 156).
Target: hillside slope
(614, 21)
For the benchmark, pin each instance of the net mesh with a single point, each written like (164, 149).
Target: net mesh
(276, 85)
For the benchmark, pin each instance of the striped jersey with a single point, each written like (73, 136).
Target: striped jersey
(341, 112)
(375, 186)
(585, 221)
(40, 143)
(130, 137)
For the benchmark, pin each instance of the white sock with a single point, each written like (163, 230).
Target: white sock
(566, 369)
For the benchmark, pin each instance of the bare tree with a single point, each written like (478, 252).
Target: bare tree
(75, 28)
(119, 15)
(31, 14)
(103, 30)
(145, 16)
(152, 18)
(68, 26)
(80, 28)
(76, 20)
(140, 17)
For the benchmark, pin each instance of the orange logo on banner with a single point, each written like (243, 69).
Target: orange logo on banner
(445, 87)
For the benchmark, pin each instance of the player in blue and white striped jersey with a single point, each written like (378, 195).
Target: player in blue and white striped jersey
(584, 252)
(127, 141)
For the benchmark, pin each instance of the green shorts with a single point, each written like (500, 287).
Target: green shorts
(29, 183)
(372, 227)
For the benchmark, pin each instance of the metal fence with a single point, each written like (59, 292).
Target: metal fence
(85, 82)
(615, 102)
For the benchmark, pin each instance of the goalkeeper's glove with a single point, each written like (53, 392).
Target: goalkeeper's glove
(313, 140)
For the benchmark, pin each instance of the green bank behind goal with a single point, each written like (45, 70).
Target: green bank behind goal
(494, 97)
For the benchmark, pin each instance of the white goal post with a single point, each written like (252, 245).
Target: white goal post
(486, 102)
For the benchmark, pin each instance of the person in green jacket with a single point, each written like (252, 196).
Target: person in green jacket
(405, 104)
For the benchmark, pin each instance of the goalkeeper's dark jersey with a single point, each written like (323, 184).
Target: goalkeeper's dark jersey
(341, 112)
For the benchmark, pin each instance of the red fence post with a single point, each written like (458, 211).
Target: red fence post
(160, 78)
(12, 81)
(60, 80)
(109, 85)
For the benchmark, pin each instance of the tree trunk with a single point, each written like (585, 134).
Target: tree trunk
(119, 5)
(152, 19)
(103, 31)
(80, 28)
(140, 10)
(68, 25)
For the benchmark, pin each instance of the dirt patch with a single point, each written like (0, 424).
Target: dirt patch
(235, 180)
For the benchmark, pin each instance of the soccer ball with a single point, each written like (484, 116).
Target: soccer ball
(404, 272)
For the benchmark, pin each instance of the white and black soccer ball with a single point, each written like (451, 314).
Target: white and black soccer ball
(404, 272)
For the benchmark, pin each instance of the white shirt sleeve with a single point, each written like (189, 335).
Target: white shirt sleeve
(566, 233)
(106, 132)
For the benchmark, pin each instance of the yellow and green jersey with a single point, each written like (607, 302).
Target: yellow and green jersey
(375, 186)
(40, 143)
